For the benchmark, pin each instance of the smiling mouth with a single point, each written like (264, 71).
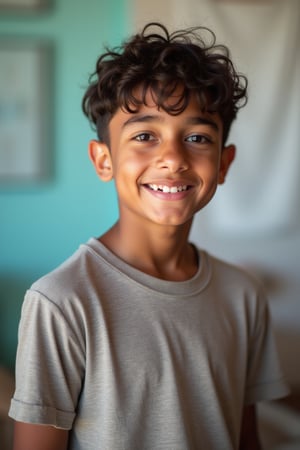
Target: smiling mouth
(168, 189)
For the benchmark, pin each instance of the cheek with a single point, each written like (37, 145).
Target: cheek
(127, 174)
(208, 167)
(131, 165)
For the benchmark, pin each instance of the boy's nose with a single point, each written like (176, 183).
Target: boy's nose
(172, 156)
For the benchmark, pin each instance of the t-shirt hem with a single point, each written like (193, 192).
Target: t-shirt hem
(40, 415)
(267, 391)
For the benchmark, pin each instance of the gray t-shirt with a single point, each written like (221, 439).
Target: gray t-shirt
(128, 361)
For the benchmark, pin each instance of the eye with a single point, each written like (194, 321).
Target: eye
(198, 139)
(143, 137)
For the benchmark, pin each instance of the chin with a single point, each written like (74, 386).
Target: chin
(173, 221)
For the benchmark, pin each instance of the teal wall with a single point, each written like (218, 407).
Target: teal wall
(43, 223)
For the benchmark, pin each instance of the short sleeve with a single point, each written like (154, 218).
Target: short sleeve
(265, 380)
(49, 365)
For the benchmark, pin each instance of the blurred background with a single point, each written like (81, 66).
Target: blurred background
(51, 199)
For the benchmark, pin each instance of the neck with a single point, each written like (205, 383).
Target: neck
(163, 252)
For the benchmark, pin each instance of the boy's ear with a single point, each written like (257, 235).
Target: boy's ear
(227, 156)
(100, 156)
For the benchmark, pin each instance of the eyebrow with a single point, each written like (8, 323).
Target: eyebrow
(193, 120)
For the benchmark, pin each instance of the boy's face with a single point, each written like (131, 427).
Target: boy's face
(166, 168)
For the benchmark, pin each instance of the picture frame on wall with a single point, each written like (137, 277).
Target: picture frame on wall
(24, 5)
(26, 69)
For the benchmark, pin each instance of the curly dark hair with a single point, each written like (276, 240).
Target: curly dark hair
(161, 61)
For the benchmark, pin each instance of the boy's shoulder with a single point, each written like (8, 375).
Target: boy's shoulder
(92, 259)
(233, 270)
(234, 281)
(94, 272)
(71, 275)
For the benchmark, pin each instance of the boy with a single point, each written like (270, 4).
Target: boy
(140, 340)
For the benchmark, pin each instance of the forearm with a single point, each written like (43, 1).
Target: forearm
(39, 437)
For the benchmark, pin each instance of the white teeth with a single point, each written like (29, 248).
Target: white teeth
(167, 189)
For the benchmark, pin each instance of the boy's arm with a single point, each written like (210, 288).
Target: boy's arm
(28, 436)
(249, 432)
